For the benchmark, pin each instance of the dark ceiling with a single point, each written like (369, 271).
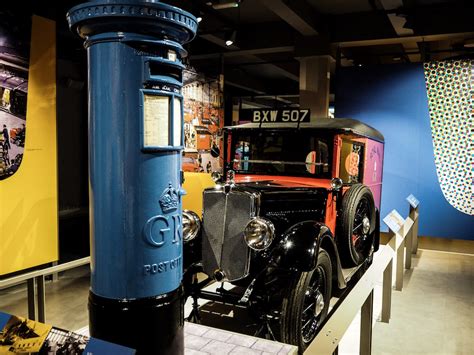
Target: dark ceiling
(272, 34)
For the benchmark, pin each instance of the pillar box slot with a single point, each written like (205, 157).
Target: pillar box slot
(173, 71)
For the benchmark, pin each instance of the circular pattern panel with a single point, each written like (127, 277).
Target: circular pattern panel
(450, 90)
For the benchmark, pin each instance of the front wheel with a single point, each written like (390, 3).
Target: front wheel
(306, 304)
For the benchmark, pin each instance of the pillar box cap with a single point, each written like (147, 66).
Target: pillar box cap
(147, 17)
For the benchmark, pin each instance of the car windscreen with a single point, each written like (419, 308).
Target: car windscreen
(281, 152)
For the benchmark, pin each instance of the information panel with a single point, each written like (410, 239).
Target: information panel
(413, 201)
(394, 221)
(156, 121)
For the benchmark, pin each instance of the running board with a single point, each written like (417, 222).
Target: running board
(349, 272)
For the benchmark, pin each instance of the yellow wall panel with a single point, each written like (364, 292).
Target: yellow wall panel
(28, 199)
(194, 185)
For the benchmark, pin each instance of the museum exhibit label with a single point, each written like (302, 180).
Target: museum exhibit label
(20, 335)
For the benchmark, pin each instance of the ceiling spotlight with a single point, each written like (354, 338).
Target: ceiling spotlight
(469, 43)
(230, 40)
(224, 4)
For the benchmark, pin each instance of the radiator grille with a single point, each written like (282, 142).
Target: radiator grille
(224, 219)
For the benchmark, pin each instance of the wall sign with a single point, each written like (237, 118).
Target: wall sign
(413, 201)
(275, 115)
(394, 221)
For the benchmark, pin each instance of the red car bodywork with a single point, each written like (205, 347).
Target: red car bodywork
(372, 173)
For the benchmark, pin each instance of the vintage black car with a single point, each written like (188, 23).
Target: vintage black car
(297, 204)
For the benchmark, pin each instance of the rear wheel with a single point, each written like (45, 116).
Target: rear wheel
(306, 304)
(358, 221)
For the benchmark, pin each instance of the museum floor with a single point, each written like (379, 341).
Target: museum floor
(434, 314)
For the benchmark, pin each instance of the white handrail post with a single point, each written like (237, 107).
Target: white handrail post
(408, 230)
(414, 215)
(366, 325)
(399, 272)
(387, 293)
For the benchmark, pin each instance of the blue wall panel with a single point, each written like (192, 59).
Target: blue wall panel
(392, 98)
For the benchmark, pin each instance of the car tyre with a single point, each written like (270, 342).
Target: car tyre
(357, 224)
(306, 304)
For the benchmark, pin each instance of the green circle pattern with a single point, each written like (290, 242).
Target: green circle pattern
(450, 90)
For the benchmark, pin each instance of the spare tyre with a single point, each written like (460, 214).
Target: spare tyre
(357, 223)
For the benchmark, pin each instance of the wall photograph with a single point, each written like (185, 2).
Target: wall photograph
(203, 121)
(14, 67)
(28, 159)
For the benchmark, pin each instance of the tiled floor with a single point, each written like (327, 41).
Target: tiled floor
(202, 340)
(434, 314)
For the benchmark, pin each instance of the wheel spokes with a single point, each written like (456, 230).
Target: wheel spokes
(308, 322)
(359, 233)
(309, 329)
(312, 311)
(309, 307)
(358, 226)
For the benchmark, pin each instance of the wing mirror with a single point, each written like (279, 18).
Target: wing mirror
(336, 184)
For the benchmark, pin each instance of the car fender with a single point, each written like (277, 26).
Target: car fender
(192, 251)
(376, 233)
(299, 247)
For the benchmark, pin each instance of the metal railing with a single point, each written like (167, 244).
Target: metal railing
(361, 296)
(35, 285)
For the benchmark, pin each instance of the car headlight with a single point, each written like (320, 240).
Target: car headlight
(191, 225)
(259, 233)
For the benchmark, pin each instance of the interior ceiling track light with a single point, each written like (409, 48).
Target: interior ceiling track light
(230, 39)
(224, 4)
(469, 43)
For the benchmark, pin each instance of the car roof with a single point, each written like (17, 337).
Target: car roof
(343, 125)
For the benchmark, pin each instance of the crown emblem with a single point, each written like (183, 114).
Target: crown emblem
(169, 199)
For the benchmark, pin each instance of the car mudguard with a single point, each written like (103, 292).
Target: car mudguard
(377, 231)
(192, 252)
(299, 247)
